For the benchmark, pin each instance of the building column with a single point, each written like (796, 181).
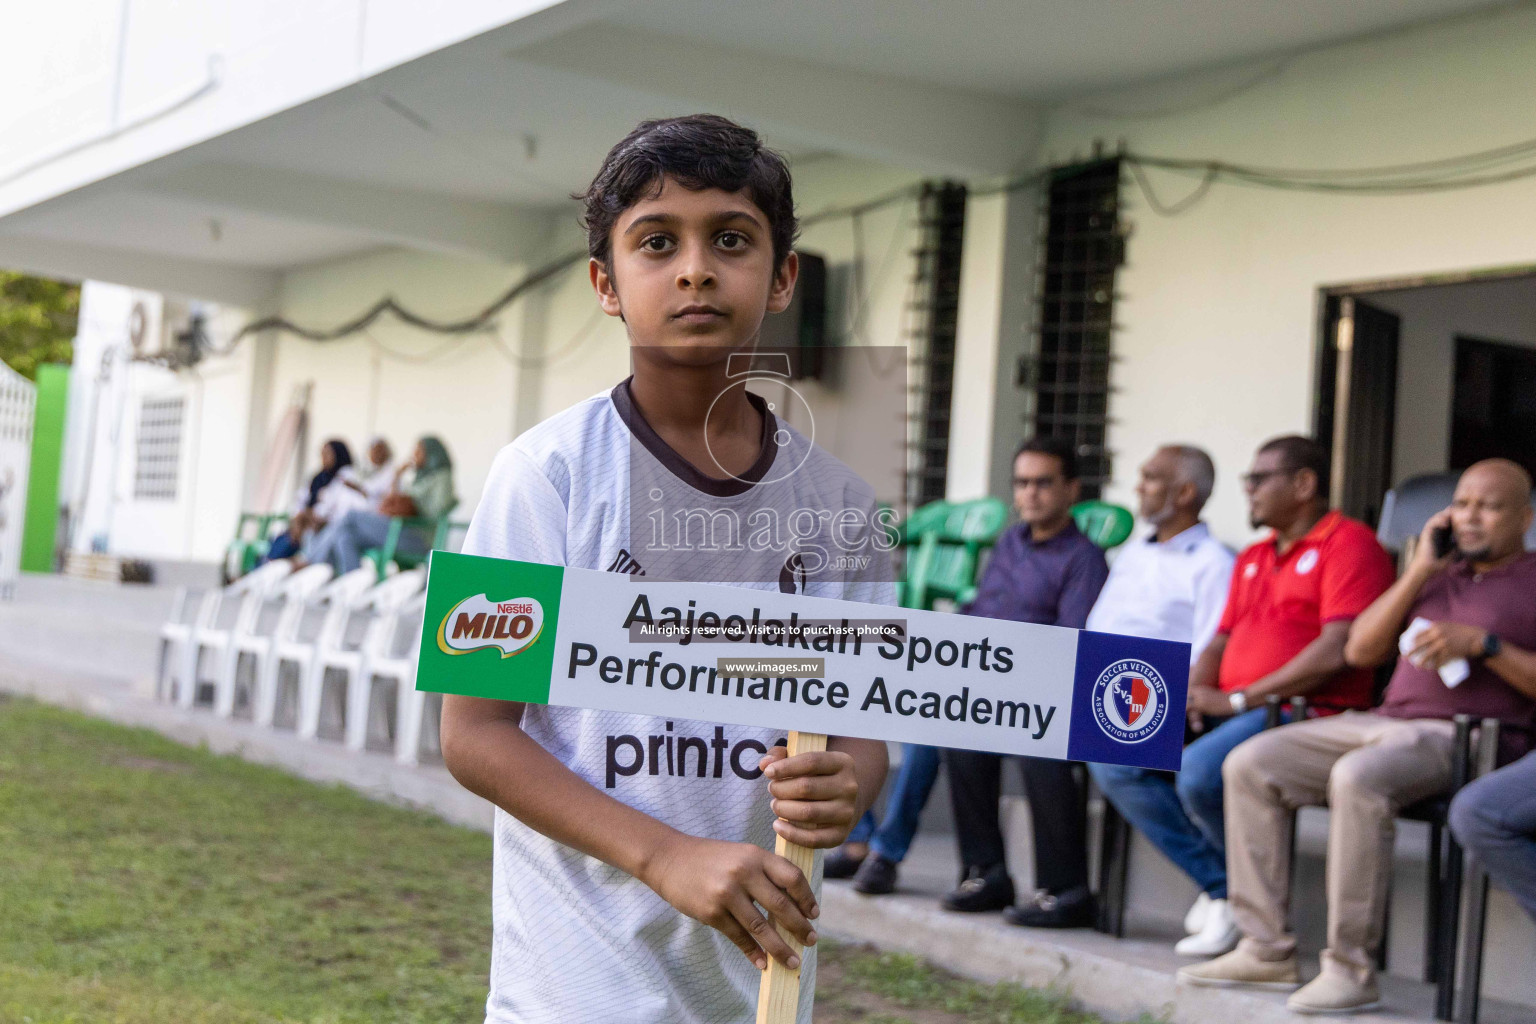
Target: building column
(997, 294)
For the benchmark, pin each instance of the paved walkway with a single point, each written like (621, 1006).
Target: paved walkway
(93, 647)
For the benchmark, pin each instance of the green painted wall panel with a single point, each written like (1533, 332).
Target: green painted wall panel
(42, 522)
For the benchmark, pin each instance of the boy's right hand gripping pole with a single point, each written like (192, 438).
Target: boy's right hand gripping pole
(778, 997)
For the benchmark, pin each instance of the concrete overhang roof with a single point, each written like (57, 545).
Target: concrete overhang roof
(475, 147)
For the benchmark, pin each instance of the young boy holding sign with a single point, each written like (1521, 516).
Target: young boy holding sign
(622, 878)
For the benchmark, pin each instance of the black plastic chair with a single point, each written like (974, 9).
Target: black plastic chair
(1114, 870)
(1475, 909)
(1115, 841)
(1442, 898)
(1408, 506)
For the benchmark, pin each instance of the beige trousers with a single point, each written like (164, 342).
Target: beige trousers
(1365, 767)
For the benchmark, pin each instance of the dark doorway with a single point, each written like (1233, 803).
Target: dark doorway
(1493, 414)
(1357, 402)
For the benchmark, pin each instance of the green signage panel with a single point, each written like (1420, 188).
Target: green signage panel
(490, 627)
(42, 523)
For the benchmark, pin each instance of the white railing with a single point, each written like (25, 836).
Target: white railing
(18, 401)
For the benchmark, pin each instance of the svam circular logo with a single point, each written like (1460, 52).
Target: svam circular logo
(1130, 700)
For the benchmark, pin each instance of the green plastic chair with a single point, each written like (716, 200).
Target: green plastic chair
(381, 557)
(945, 541)
(926, 519)
(1106, 525)
(253, 533)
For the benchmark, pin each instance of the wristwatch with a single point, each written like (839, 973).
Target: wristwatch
(1239, 701)
(1492, 645)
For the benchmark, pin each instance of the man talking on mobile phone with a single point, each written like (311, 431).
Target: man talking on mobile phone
(1367, 765)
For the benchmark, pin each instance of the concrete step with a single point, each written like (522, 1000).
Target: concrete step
(1120, 979)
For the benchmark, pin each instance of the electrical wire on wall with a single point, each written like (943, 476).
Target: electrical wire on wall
(1469, 170)
(1170, 209)
(573, 344)
(443, 350)
(1498, 165)
(366, 319)
(485, 321)
(864, 288)
(1222, 94)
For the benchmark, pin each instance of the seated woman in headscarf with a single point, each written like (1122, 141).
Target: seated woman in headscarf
(428, 495)
(329, 497)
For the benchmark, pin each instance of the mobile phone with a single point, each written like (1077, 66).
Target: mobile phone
(1444, 540)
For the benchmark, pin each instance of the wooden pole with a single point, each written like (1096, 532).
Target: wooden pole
(778, 997)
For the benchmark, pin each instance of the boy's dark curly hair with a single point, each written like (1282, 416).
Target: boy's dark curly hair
(698, 151)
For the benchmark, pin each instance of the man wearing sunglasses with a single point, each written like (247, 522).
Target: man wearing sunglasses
(1282, 633)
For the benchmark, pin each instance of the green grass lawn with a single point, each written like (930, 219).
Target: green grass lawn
(147, 881)
(863, 985)
(144, 882)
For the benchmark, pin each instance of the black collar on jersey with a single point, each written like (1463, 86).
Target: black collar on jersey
(680, 467)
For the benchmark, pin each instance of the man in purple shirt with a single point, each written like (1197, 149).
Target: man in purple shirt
(1043, 570)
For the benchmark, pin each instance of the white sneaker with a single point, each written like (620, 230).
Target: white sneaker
(1218, 935)
(1195, 919)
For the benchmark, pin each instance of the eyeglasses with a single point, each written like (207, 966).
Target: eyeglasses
(1040, 482)
(1253, 481)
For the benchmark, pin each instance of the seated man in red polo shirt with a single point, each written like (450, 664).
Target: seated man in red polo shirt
(1282, 634)
(1468, 624)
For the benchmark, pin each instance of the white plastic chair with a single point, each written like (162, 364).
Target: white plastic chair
(186, 616)
(224, 614)
(335, 603)
(410, 704)
(322, 622)
(292, 594)
(383, 603)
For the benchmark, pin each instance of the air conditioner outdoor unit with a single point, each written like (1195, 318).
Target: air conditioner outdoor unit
(167, 331)
(147, 334)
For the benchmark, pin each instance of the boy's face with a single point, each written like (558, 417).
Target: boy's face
(692, 275)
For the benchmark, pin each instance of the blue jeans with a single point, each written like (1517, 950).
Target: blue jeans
(343, 541)
(1182, 815)
(282, 546)
(1495, 818)
(914, 781)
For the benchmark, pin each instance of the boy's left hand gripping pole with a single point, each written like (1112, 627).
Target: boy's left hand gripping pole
(778, 997)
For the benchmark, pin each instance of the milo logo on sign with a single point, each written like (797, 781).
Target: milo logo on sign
(477, 623)
(466, 615)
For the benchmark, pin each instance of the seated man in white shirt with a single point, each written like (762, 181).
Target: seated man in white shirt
(1172, 585)
(378, 476)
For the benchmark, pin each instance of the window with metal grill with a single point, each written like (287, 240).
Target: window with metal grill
(1069, 368)
(931, 346)
(158, 464)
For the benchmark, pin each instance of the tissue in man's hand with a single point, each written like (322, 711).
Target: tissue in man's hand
(1452, 673)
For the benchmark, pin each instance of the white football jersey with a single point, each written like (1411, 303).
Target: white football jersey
(576, 941)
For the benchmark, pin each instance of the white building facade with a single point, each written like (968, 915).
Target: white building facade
(309, 159)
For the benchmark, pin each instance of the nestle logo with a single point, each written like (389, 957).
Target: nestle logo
(477, 623)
